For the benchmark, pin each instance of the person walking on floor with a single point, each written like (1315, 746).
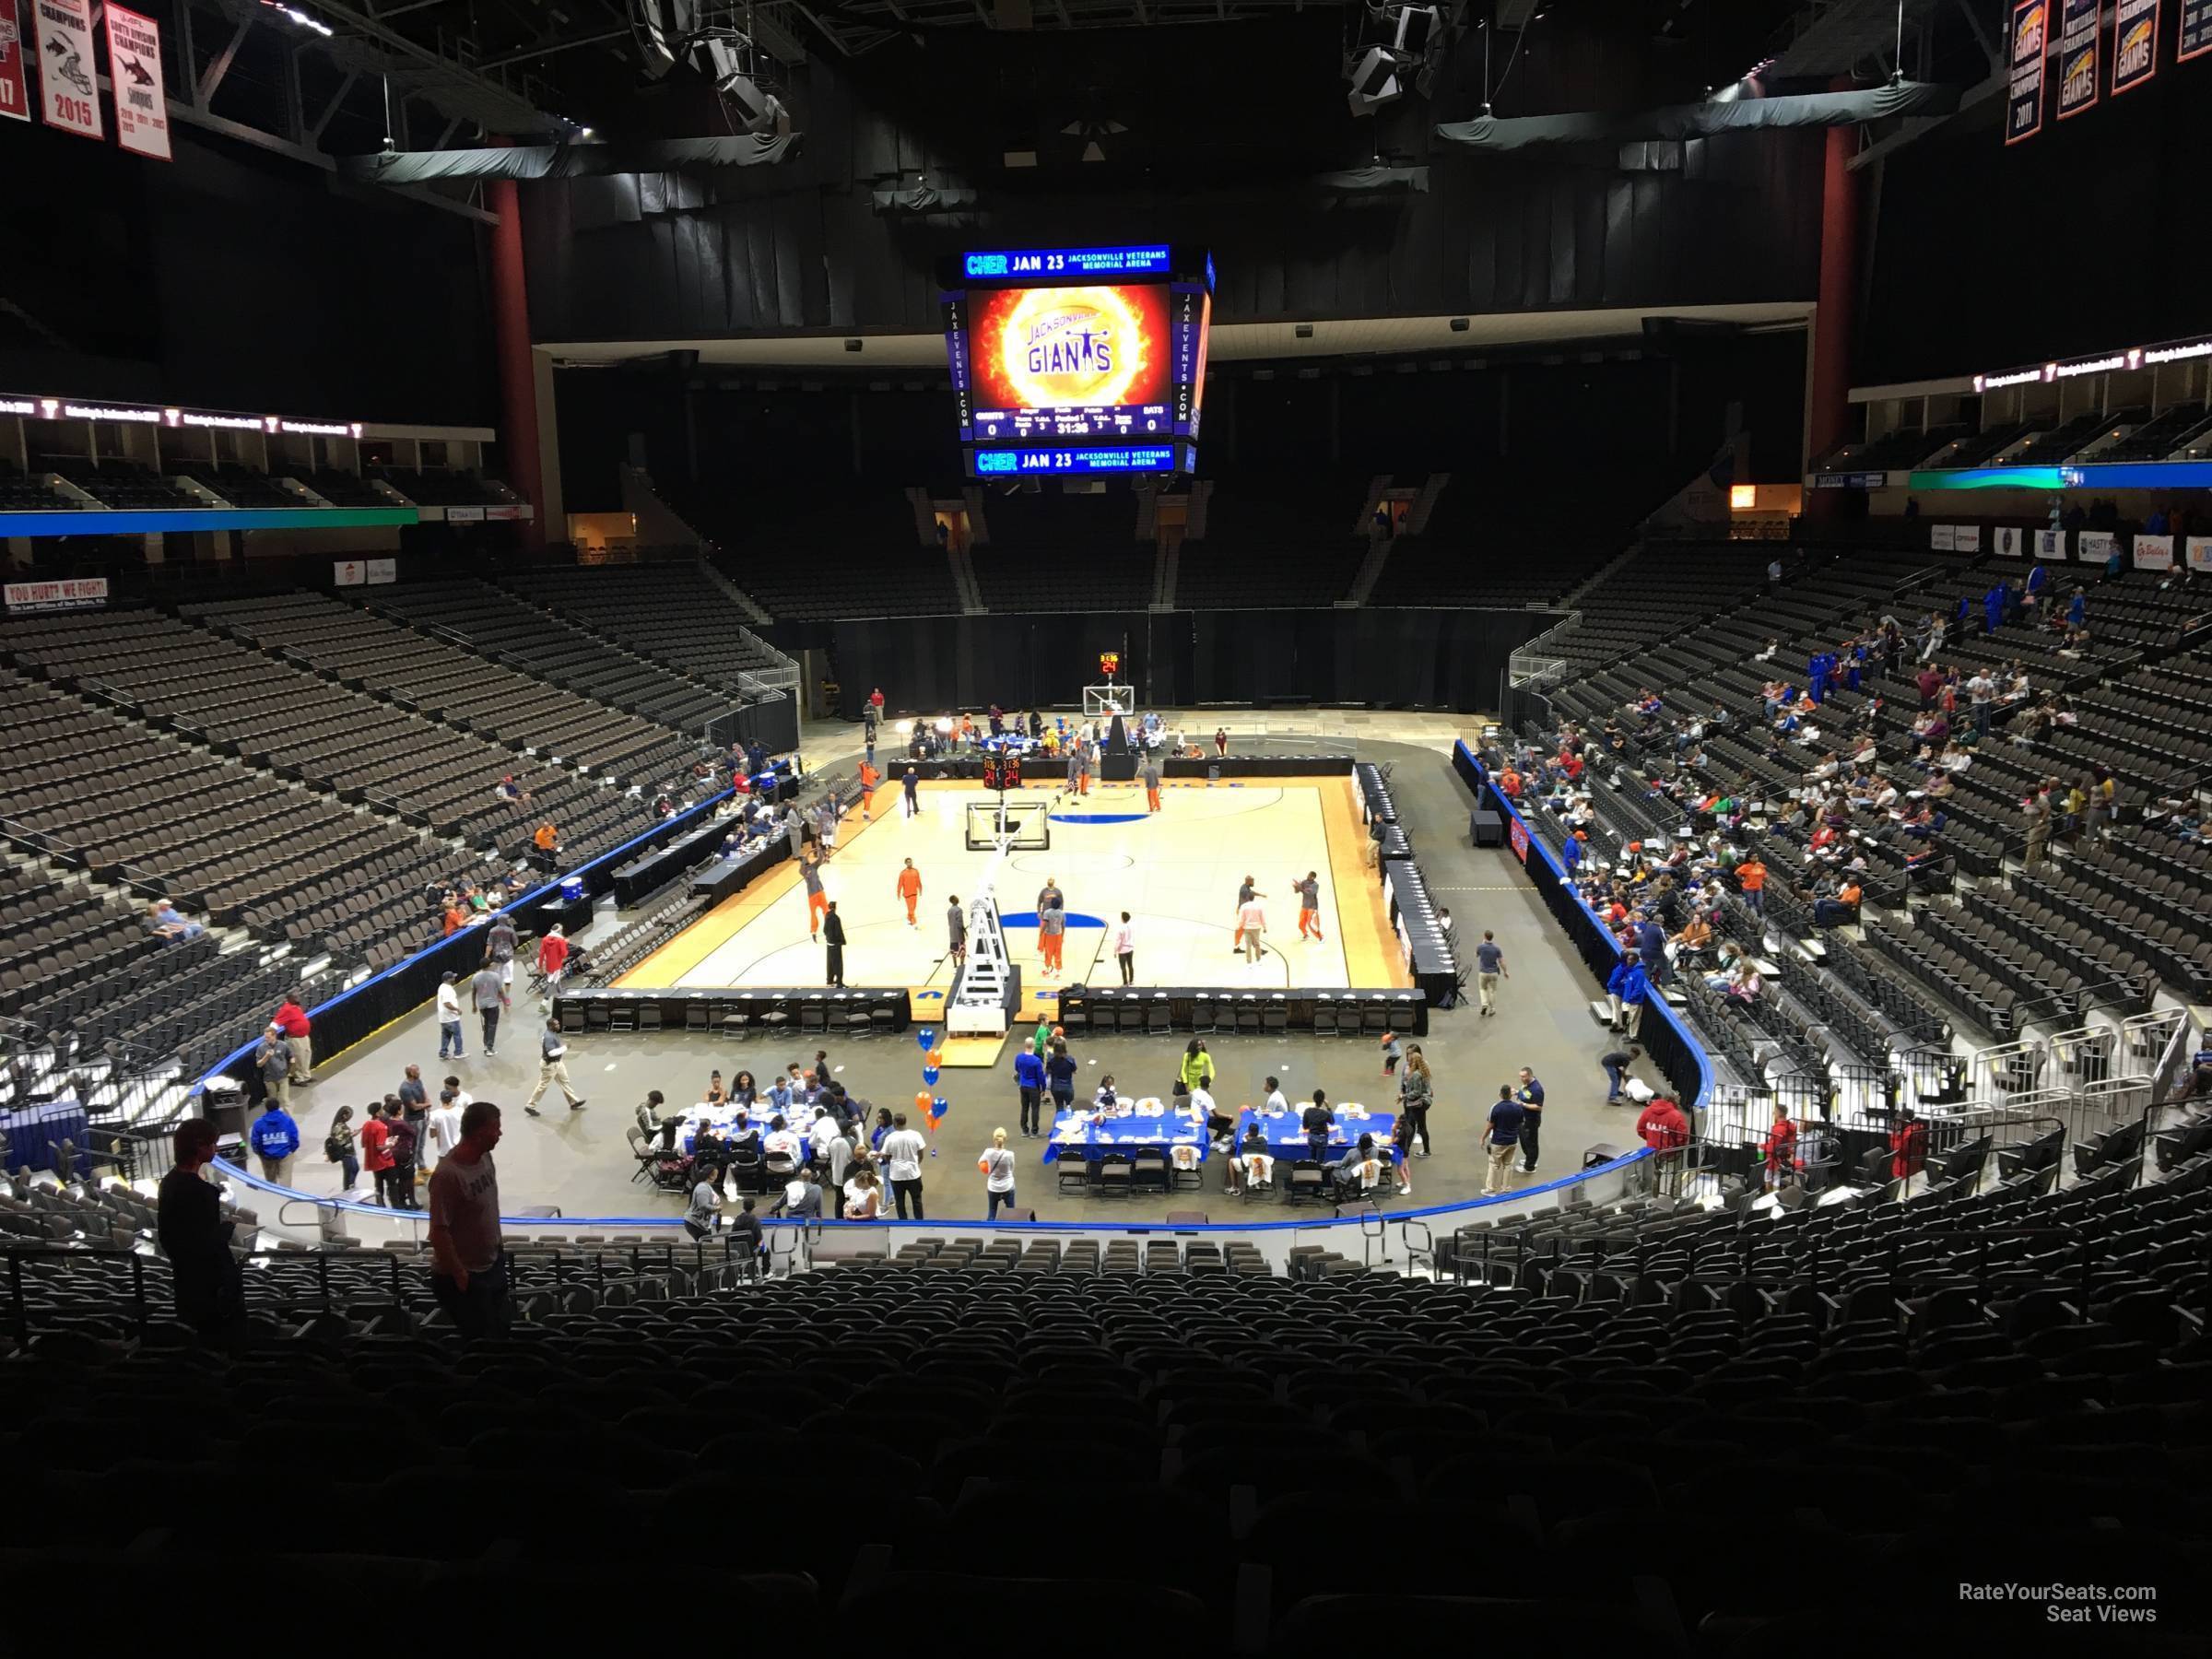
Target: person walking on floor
(552, 1067)
(499, 948)
(1627, 987)
(400, 1180)
(833, 936)
(1251, 923)
(1531, 1096)
(291, 1020)
(811, 873)
(1309, 906)
(276, 1137)
(902, 1153)
(910, 890)
(955, 932)
(1124, 949)
(912, 786)
(489, 997)
(1504, 1140)
(1028, 1077)
(449, 1045)
(1489, 968)
(205, 1278)
(338, 1147)
(274, 1060)
(1246, 893)
(1060, 1075)
(997, 1164)
(1416, 1093)
(376, 1152)
(553, 959)
(1051, 937)
(1195, 1070)
(468, 1273)
(869, 778)
(1151, 776)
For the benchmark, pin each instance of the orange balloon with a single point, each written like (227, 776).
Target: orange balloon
(921, 1101)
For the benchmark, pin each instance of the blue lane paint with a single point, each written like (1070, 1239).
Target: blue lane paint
(1098, 817)
(1029, 919)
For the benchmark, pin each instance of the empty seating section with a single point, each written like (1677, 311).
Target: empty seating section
(434, 486)
(21, 493)
(1977, 448)
(676, 615)
(1892, 450)
(493, 624)
(345, 488)
(1502, 540)
(850, 552)
(1660, 594)
(2156, 438)
(2009, 1383)
(1051, 551)
(212, 690)
(239, 486)
(1273, 542)
(422, 671)
(118, 484)
(2061, 441)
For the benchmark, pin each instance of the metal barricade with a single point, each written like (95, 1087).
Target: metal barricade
(2009, 1069)
(2083, 1054)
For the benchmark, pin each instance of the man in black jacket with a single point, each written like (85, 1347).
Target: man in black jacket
(210, 1290)
(833, 935)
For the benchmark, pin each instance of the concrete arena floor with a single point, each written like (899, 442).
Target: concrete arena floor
(580, 1160)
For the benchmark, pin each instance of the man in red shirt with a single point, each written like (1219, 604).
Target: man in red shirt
(1662, 1127)
(1780, 1147)
(876, 701)
(1908, 1145)
(552, 957)
(291, 1020)
(376, 1153)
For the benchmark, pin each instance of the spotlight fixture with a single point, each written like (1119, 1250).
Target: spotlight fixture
(1374, 71)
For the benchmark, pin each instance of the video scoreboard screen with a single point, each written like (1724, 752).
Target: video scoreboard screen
(1077, 359)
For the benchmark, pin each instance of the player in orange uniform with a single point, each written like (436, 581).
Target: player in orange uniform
(869, 778)
(910, 890)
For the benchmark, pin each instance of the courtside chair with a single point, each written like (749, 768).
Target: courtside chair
(1325, 1015)
(1275, 1016)
(1401, 1011)
(1375, 1014)
(1205, 1014)
(814, 1013)
(1129, 1014)
(571, 1019)
(1159, 1015)
(623, 1017)
(1074, 1013)
(695, 1017)
(1248, 1016)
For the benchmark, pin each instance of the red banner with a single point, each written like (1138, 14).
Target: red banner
(1517, 833)
(14, 89)
(68, 97)
(134, 71)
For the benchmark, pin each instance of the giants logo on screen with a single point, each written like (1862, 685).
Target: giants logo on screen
(1070, 348)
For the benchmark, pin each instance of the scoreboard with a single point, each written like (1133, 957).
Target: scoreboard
(1078, 360)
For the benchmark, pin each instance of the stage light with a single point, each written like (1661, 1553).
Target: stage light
(943, 727)
(906, 728)
(583, 132)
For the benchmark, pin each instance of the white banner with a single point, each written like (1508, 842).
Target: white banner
(82, 593)
(68, 97)
(2051, 544)
(2198, 551)
(134, 71)
(2094, 546)
(1966, 538)
(2009, 541)
(382, 571)
(2154, 552)
(1942, 539)
(349, 573)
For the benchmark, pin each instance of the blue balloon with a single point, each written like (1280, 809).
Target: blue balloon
(926, 1038)
(929, 1075)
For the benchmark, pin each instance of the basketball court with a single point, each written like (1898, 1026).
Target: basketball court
(1176, 872)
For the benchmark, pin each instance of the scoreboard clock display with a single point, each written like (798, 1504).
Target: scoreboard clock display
(1055, 351)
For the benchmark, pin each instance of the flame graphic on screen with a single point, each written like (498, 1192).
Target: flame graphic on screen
(1088, 346)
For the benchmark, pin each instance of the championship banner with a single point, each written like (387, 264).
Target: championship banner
(2134, 43)
(2077, 57)
(68, 98)
(2024, 109)
(2196, 29)
(14, 87)
(2154, 552)
(134, 71)
(1942, 539)
(1966, 538)
(2094, 546)
(2009, 541)
(2197, 549)
(2051, 544)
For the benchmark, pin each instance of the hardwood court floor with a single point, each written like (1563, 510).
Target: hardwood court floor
(1176, 872)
